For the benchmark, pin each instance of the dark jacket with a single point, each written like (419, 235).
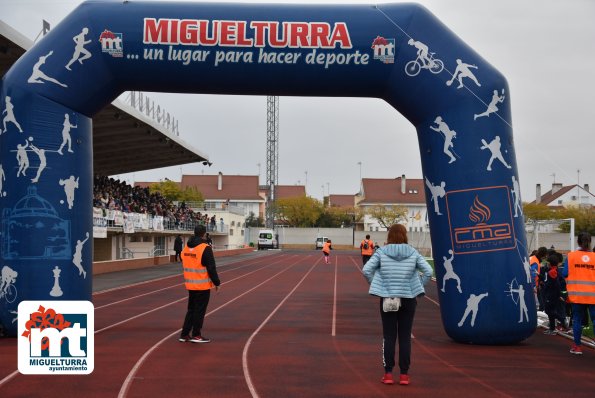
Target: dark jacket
(554, 285)
(178, 244)
(208, 259)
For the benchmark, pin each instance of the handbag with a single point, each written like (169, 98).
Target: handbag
(391, 304)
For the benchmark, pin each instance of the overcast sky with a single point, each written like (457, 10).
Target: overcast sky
(543, 47)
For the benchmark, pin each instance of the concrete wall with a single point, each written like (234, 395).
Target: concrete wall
(339, 236)
(420, 240)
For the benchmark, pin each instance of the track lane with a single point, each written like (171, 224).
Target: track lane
(122, 319)
(219, 362)
(439, 366)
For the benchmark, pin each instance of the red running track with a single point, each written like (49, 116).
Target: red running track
(288, 325)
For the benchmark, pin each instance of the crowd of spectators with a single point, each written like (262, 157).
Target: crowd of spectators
(112, 194)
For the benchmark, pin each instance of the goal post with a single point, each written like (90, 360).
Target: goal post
(551, 233)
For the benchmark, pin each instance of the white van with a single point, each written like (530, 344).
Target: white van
(320, 241)
(267, 239)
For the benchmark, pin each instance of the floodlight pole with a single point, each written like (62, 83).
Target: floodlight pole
(272, 157)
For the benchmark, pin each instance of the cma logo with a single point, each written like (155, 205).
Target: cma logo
(475, 225)
(56, 337)
(111, 43)
(480, 214)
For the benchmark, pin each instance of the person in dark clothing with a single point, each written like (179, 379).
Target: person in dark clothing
(178, 246)
(197, 257)
(554, 292)
(209, 240)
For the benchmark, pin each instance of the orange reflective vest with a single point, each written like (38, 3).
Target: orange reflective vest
(370, 250)
(326, 248)
(196, 276)
(580, 283)
(532, 260)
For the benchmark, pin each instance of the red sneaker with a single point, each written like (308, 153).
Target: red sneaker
(576, 350)
(404, 380)
(387, 379)
(199, 339)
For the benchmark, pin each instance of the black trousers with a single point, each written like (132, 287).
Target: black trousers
(178, 256)
(365, 259)
(555, 310)
(397, 326)
(198, 300)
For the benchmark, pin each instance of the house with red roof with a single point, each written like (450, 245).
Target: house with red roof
(344, 201)
(564, 196)
(400, 191)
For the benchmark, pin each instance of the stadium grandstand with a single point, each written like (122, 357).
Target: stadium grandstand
(130, 222)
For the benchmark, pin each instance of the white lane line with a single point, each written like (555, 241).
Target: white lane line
(171, 303)
(334, 328)
(16, 372)
(127, 383)
(249, 342)
(172, 286)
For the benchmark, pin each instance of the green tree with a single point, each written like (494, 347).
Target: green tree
(388, 215)
(171, 191)
(533, 211)
(301, 211)
(253, 221)
(336, 217)
(584, 219)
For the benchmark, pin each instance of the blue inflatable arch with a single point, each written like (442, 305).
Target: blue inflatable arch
(459, 104)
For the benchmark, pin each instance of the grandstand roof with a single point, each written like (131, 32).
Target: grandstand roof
(124, 139)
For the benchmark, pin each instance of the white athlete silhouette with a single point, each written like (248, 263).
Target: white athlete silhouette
(2, 179)
(527, 267)
(523, 307)
(42, 161)
(70, 184)
(79, 48)
(472, 306)
(37, 76)
(22, 158)
(66, 134)
(422, 51)
(8, 277)
(450, 273)
(516, 194)
(449, 135)
(437, 192)
(493, 106)
(77, 258)
(9, 110)
(16, 317)
(494, 148)
(462, 71)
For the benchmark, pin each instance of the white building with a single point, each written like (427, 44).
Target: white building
(565, 196)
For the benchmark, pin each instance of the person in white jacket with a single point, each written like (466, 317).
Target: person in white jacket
(397, 270)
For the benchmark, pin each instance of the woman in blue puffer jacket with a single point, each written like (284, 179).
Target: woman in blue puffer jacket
(397, 270)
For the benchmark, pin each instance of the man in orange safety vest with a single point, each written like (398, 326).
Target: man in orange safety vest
(200, 276)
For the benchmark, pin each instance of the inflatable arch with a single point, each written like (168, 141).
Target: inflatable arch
(459, 104)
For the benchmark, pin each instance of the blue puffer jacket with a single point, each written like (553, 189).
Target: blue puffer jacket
(394, 271)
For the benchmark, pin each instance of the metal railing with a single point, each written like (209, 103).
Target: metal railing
(126, 253)
(168, 225)
(157, 251)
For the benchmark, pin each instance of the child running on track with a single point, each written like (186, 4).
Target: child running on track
(326, 250)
